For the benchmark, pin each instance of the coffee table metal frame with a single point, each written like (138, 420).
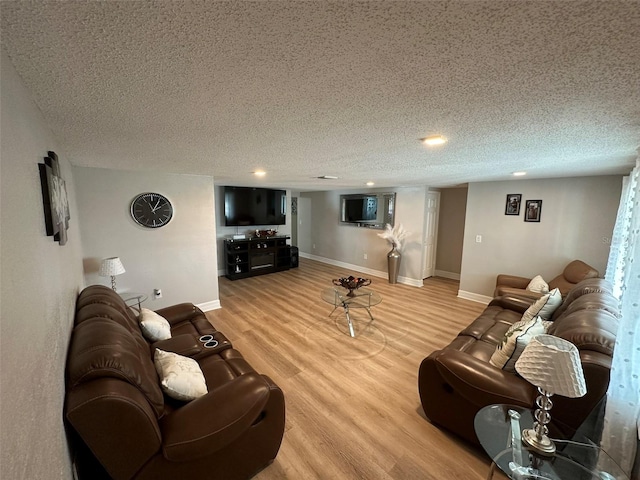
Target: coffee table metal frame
(362, 298)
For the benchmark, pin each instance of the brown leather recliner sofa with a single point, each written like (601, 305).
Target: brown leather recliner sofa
(118, 414)
(573, 273)
(456, 382)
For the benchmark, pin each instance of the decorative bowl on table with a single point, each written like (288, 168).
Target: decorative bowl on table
(351, 283)
(266, 233)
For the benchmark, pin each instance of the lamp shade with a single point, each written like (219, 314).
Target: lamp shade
(553, 364)
(111, 267)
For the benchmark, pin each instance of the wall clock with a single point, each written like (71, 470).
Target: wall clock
(151, 210)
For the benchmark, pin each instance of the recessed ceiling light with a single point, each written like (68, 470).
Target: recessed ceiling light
(370, 184)
(433, 140)
(327, 177)
(519, 174)
(259, 173)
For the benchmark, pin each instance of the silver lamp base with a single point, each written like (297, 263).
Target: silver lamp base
(540, 444)
(536, 438)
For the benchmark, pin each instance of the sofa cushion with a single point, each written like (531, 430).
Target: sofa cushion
(590, 285)
(578, 271)
(588, 329)
(180, 377)
(538, 285)
(154, 326)
(575, 272)
(544, 306)
(517, 337)
(103, 348)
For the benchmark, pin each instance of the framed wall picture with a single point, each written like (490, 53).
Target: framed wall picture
(512, 206)
(54, 199)
(533, 209)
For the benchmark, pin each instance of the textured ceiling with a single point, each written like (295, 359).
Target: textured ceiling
(309, 88)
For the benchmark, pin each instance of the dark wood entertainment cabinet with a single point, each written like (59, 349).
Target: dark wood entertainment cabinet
(248, 257)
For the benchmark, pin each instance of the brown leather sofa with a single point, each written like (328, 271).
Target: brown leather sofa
(119, 416)
(457, 381)
(574, 273)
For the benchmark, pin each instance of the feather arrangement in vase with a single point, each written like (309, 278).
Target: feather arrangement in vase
(394, 235)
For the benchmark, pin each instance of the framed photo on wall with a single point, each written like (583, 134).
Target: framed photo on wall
(533, 209)
(54, 199)
(513, 204)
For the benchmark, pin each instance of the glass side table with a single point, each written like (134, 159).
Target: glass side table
(361, 298)
(133, 299)
(499, 428)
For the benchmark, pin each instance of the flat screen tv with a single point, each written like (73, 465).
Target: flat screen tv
(370, 210)
(248, 206)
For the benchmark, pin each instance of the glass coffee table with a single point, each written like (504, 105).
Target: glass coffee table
(499, 428)
(361, 298)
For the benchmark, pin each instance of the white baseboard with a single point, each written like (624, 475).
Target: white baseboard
(474, 297)
(444, 274)
(212, 305)
(358, 268)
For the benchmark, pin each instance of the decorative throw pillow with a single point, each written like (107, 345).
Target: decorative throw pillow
(154, 327)
(517, 337)
(538, 285)
(180, 377)
(544, 306)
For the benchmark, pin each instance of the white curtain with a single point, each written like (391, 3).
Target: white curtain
(622, 417)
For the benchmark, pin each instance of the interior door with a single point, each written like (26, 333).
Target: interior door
(432, 209)
(304, 225)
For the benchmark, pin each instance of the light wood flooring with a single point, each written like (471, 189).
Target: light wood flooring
(352, 404)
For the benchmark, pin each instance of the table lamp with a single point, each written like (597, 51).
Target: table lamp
(110, 267)
(553, 365)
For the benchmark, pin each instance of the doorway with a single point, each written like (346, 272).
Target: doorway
(431, 214)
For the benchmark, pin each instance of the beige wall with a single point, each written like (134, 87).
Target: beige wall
(179, 258)
(40, 281)
(330, 240)
(453, 205)
(577, 221)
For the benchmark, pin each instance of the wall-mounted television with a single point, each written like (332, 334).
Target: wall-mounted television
(248, 206)
(371, 210)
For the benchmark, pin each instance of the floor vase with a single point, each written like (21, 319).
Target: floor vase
(393, 262)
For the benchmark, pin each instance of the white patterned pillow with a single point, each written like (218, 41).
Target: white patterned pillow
(154, 327)
(180, 377)
(538, 285)
(544, 306)
(517, 337)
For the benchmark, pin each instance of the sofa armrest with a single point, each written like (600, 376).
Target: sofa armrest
(209, 423)
(512, 302)
(512, 281)
(179, 313)
(480, 382)
(184, 344)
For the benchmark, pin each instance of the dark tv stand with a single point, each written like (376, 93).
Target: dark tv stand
(256, 256)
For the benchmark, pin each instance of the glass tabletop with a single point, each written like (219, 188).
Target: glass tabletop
(499, 428)
(133, 297)
(362, 297)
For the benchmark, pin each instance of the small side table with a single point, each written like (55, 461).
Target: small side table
(133, 299)
(498, 428)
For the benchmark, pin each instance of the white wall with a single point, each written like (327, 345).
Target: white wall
(577, 221)
(40, 281)
(179, 258)
(346, 244)
(226, 232)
